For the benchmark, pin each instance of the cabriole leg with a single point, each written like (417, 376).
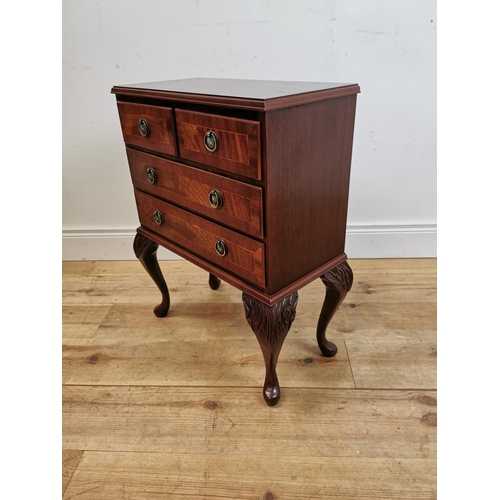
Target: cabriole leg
(338, 282)
(270, 325)
(145, 251)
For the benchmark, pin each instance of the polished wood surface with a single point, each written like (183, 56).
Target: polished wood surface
(145, 250)
(239, 142)
(307, 169)
(243, 94)
(190, 187)
(213, 282)
(159, 119)
(245, 256)
(286, 164)
(240, 284)
(231, 87)
(337, 281)
(166, 409)
(303, 155)
(270, 325)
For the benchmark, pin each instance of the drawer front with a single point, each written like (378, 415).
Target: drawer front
(149, 127)
(240, 203)
(243, 257)
(227, 143)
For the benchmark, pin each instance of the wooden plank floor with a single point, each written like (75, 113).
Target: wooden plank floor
(172, 408)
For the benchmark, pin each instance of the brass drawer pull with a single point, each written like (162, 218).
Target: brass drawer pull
(215, 199)
(143, 127)
(221, 247)
(151, 175)
(211, 141)
(158, 217)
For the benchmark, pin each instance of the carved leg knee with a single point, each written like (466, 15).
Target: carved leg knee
(338, 282)
(270, 325)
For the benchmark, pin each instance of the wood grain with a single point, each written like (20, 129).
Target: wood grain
(242, 94)
(82, 321)
(308, 422)
(393, 299)
(172, 407)
(145, 250)
(190, 187)
(394, 363)
(105, 476)
(389, 297)
(239, 283)
(161, 137)
(307, 165)
(239, 142)
(70, 460)
(127, 357)
(303, 160)
(245, 256)
(338, 282)
(270, 325)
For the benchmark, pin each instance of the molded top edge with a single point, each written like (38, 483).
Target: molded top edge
(250, 94)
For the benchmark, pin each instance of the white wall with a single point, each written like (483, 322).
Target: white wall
(388, 47)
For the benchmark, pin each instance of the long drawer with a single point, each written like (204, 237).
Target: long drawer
(231, 202)
(230, 144)
(227, 249)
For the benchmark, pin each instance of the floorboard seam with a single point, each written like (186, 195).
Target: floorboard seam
(101, 322)
(74, 470)
(251, 454)
(258, 387)
(350, 364)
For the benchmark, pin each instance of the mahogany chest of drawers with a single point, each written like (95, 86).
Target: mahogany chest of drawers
(248, 180)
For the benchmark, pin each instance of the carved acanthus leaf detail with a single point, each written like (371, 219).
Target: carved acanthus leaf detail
(340, 277)
(270, 323)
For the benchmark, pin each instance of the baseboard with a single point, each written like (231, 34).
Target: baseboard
(391, 241)
(363, 242)
(103, 244)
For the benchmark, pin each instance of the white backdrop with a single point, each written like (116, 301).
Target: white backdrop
(388, 47)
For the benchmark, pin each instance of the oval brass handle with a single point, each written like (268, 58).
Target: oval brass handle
(215, 199)
(221, 247)
(151, 175)
(143, 127)
(158, 217)
(211, 141)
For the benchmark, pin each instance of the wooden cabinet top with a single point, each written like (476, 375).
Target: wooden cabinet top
(260, 95)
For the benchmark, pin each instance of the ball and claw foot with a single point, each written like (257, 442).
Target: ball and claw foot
(338, 282)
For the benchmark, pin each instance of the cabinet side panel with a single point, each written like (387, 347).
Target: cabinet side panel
(307, 172)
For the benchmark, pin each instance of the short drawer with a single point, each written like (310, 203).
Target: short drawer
(150, 127)
(231, 202)
(227, 143)
(231, 251)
